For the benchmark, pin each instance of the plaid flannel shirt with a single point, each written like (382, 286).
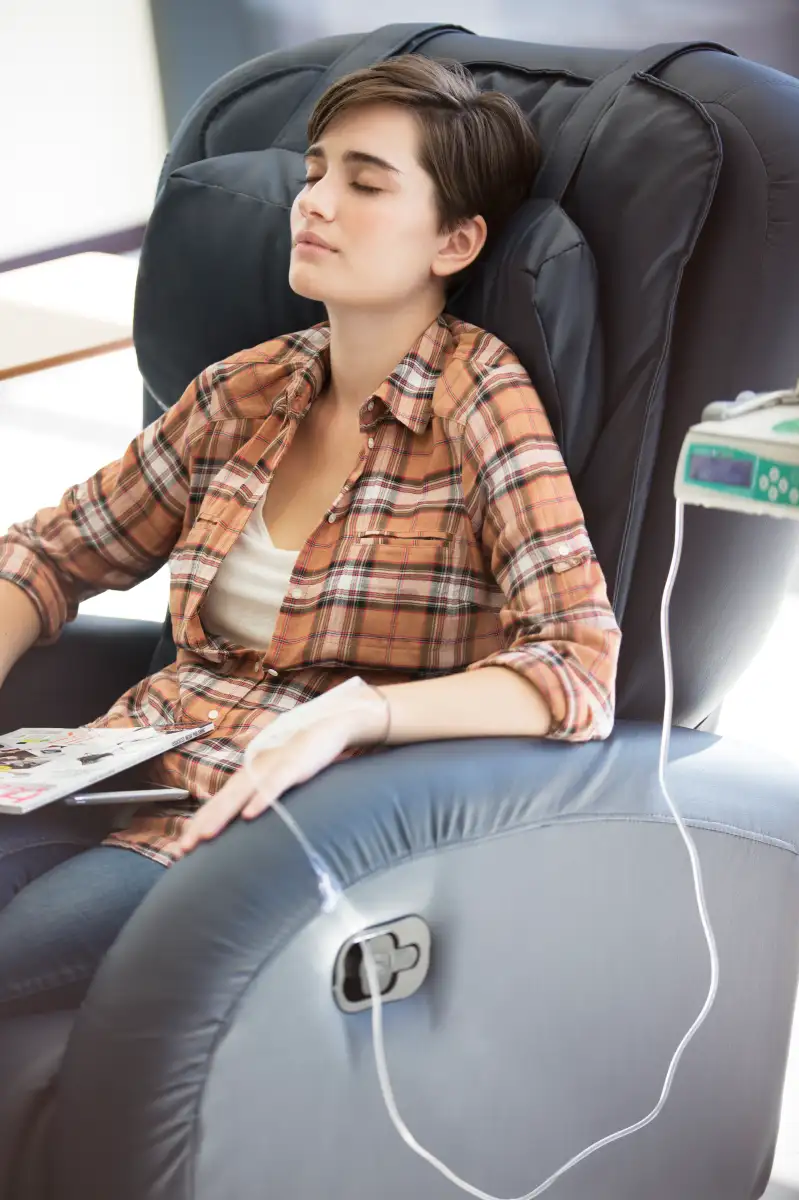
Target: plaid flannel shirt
(456, 542)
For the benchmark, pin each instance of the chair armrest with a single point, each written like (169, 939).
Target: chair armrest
(77, 678)
(31, 1049)
(226, 955)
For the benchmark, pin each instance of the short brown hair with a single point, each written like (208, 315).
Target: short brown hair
(478, 147)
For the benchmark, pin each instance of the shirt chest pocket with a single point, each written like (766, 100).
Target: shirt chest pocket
(401, 599)
(388, 566)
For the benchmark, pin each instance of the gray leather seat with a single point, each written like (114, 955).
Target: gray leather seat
(567, 960)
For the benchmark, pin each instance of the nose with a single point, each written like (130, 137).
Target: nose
(319, 200)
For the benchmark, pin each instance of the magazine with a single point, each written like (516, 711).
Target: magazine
(38, 766)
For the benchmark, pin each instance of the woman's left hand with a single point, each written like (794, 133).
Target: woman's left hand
(274, 771)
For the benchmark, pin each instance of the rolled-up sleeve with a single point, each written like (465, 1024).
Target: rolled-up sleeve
(559, 628)
(110, 532)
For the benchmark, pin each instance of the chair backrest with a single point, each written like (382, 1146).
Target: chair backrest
(675, 176)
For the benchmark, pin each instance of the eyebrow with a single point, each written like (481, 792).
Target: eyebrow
(359, 157)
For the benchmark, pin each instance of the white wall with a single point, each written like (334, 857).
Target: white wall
(83, 133)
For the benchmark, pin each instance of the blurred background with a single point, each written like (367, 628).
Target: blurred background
(97, 88)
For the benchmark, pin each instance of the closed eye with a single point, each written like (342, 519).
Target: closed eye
(310, 180)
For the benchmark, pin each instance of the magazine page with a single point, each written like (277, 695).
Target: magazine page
(39, 766)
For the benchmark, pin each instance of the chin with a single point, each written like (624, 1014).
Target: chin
(304, 279)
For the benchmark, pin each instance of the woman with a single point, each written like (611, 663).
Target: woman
(379, 497)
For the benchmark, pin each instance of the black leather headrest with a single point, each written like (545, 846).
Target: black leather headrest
(213, 277)
(537, 291)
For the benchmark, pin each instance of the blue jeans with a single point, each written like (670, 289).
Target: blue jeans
(63, 900)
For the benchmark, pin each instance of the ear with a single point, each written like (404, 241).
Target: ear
(459, 247)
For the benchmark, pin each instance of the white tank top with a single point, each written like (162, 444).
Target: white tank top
(246, 595)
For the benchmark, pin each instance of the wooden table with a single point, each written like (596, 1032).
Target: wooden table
(66, 309)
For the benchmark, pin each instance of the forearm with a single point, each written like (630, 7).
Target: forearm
(19, 625)
(491, 702)
(488, 702)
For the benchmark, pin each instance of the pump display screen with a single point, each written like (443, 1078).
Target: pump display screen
(716, 468)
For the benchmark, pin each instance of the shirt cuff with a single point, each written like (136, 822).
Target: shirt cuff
(581, 707)
(39, 582)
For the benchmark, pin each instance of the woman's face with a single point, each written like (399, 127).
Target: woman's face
(373, 207)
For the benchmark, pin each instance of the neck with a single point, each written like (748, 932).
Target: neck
(365, 347)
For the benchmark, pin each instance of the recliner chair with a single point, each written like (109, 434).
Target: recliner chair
(211, 1057)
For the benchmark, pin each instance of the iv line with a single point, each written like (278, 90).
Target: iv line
(333, 896)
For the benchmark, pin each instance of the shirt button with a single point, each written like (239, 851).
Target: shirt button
(563, 549)
(272, 672)
(213, 714)
(296, 593)
(371, 443)
(332, 518)
(370, 405)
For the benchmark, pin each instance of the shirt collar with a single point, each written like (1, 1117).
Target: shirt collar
(407, 392)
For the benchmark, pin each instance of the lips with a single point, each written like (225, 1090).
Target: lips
(312, 239)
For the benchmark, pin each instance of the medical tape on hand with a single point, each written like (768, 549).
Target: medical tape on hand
(276, 734)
